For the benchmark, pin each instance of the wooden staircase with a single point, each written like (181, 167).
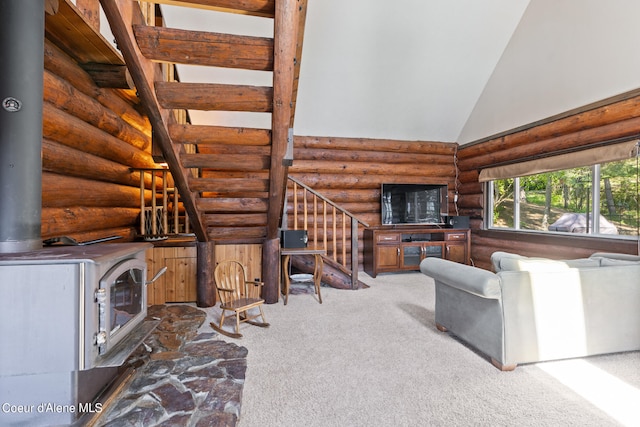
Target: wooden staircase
(232, 180)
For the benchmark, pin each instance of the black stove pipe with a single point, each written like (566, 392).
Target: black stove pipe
(21, 92)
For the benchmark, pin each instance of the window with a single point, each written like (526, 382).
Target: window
(600, 200)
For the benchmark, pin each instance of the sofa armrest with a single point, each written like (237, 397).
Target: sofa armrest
(474, 280)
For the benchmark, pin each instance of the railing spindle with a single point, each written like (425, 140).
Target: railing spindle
(159, 224)
(354, 252)
(335, 235)
(142, 189)
(154, 225)
(165, 203)
(315, 222)
(176, 212)
(295, 206)
(344, 239)
(305, 211)
(324, 224)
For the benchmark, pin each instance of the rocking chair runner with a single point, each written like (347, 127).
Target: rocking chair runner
(237, 294)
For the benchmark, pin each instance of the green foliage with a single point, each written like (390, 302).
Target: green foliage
(570, 191)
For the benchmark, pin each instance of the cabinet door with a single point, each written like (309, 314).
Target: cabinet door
(456, 252)
(411, 256)
(388, 257)
(178, 284)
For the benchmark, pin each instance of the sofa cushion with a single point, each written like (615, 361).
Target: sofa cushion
(616, 257)
(504, 261)
(613, 262)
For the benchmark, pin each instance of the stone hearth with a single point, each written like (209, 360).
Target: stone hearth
(181, 378)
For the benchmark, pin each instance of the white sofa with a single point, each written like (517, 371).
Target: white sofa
(536, 309)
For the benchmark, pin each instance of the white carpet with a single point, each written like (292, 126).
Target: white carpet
(373, 357)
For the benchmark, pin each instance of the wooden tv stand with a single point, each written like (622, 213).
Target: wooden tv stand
(401, 248)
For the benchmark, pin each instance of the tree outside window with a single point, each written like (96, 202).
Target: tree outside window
(568, 201)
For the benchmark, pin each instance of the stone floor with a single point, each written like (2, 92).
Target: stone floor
(181, 378)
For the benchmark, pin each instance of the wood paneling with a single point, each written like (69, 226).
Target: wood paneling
(178, 284)
(248, 255)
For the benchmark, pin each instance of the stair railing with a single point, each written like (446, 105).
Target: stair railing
(320, 217)
(163, 215)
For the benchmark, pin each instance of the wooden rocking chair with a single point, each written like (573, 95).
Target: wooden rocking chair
(237, 294)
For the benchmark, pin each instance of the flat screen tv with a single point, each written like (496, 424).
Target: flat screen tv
(414, 203)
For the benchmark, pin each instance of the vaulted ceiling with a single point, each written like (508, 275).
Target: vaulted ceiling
(451, 71)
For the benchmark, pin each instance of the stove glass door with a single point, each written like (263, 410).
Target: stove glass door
(126, 298)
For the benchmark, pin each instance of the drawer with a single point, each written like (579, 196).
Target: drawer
(388, 238)
(456, 236)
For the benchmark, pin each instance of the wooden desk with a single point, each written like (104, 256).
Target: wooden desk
(286, 255)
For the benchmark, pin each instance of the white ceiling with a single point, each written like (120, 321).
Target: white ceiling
(410, 69)
(436, 70)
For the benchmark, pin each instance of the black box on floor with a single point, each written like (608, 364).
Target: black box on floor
(457, 222)
(294, 239)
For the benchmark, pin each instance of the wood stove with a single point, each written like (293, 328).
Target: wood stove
(69, 317)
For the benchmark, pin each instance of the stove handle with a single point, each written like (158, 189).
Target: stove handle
(157, 276)
(101, 336)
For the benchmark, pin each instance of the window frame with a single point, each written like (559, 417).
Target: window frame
(594, 211)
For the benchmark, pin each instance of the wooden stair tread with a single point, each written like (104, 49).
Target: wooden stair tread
(227, 149)
(229, 185)
(239, 162)
(237, 234)
(206, 134)
(214, 96)
(232, 205)
(263, 8)
(235, 195)
(205, 48)
(232, 219)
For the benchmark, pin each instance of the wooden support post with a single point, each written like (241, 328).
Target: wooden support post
(284, 53)
(271, 270)
(206, 294)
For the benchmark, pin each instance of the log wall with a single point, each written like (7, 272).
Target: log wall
(610, 120)
(91, 139)
(350, 171)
